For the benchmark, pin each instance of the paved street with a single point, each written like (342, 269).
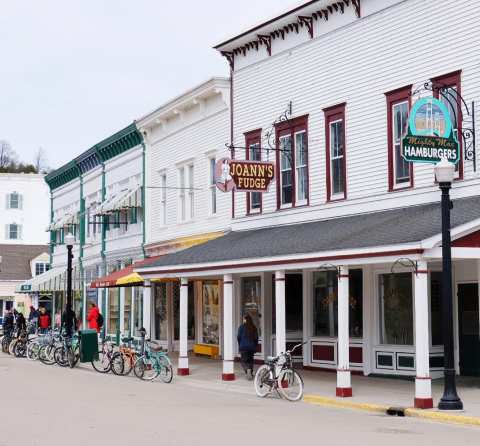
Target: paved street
(48, 405)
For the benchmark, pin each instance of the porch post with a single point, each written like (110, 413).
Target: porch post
(423, 382)
(228, 369)
(122, 310)
(183, 356)
(147, 305)
(280, 334)
(344, 383)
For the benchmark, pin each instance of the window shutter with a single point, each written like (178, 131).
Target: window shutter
(20, 201)
(7, 232)
(19, 232)
(7, 204)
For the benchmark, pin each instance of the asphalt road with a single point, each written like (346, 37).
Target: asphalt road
(48, 405)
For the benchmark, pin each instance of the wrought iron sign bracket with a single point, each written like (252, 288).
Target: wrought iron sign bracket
(329, 267)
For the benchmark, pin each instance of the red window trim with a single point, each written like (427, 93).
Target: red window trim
(253, 137)
(334, 113)
(284, 128)
(449, 80)
(393, 97)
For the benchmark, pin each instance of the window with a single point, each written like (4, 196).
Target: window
(127, 310)
(447, 88)
(210, 313)
(160, 311)
(400, 172)
(191, 200)
(396, 309)
(251, 300)
(181, 193)
(292, 162)
(335, 152)
(163, 198)
(40, 268)
(325, 303)
(13, 232)
(213, 187)
(254, 153)
(14, 201)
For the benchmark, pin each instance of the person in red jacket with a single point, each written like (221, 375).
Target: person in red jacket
(92, 317)
(43, 320)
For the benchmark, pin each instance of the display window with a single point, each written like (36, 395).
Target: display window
(210, 313)
(138, 310)
(251, 300)
(127, 310)
(160, 310)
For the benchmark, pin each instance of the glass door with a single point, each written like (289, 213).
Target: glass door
(210, 313)
(160, 312)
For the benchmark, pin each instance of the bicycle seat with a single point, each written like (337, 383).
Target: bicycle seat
(271, 359)
(154, 347)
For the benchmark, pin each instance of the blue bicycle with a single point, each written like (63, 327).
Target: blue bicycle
(152, 363)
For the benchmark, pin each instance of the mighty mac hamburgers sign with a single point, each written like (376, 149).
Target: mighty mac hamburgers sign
(430, 136)
(243, 176)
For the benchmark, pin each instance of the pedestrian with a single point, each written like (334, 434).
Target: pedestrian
(8, 323)
(43, 321)
(33, 315)
(69, 322)
(247, 337)
(93, 316)
(21, 323)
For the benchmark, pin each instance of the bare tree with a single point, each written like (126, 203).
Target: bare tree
(8, 157)
(40, 160)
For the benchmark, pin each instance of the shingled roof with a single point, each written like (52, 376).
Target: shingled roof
(16, 259)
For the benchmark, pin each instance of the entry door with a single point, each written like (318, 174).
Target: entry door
(468, 329)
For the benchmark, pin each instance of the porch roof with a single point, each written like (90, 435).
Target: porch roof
(403, 226)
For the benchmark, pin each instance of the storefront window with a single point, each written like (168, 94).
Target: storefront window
(210, 313)
(113, 310)
(191, 311)
(396, 309)
(78, 304)
(138, 310)
(127, 316)
(251, 300)
(435, 307)
(325, 303)
(293, 305)
(161, 321)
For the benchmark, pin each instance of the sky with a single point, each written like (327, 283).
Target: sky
(73, 72)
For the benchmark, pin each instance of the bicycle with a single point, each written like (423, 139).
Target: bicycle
(153, 362)
(107, 357)
(68, 353)
(47, 351)
(279, 374)
(129, 357)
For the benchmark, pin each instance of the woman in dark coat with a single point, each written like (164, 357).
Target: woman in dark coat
(247, 337)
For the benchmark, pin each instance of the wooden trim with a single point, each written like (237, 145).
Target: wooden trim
(333, 113)
(393, 97)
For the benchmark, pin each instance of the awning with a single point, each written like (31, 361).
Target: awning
(51, 280)
(65, 220)
(125, 199)
(123, 277)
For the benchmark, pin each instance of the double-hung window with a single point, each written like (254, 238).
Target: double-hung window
(400, 172)
(191, 196)
(212, 186)
(292, 162)
(335, 153)
(186, 192)
(163, 198)
(447, 88)
(14, 201)
(13, 231)
(181, 194)
(254, 153)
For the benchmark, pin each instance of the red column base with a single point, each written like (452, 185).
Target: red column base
(423, 403)
(183, 372)
(228, 376)
(344, 392)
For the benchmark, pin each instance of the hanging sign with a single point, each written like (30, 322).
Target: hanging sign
(430, 135)
(243, 176)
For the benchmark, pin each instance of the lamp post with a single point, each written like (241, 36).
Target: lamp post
(444, 172)
(69, 241)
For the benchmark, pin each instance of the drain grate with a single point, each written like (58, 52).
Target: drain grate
(396, 411)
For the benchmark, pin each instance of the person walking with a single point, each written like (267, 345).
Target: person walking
(93, 316)
(21, 323)
(44, 321)
(247, 338)
(8, 323)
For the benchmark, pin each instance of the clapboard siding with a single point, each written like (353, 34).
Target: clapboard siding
(407, 43)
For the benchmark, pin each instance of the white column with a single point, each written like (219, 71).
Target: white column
(183, 356)
(344, 383)
(423, 382)
(147, 306)
(280, 333)
(228, 370)
(122, 310)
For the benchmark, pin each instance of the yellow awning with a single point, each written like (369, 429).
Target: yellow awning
(130, 279)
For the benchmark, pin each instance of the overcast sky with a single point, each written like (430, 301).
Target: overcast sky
(73, 72)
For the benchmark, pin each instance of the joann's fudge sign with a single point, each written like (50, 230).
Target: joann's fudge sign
(430, 135)
(243, 176)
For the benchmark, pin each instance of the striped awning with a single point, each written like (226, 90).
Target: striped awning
(125, 199)
(51, 280)
(65, 220)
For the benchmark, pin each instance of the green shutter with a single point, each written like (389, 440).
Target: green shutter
(133, 215)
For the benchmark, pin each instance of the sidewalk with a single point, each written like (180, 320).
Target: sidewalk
(375, 391)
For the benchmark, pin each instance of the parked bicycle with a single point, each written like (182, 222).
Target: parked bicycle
(107, 360)
(68, 353)
(278, 374)
(129, 356)
(153, 362)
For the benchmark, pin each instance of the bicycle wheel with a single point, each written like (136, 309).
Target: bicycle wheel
(60, 356)
(20, 349)
(117, 363)
(290, 384)
(263, 381)
(32, 351)
(73, 356)
(145, 369)
(128, 362)
(11, 346)
(45, 354)
(5, 343)
(102, 364)
(166, 370)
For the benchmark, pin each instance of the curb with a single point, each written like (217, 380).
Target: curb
(392, 411)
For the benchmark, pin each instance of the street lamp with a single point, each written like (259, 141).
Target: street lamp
(444, 173)
(69, 241)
